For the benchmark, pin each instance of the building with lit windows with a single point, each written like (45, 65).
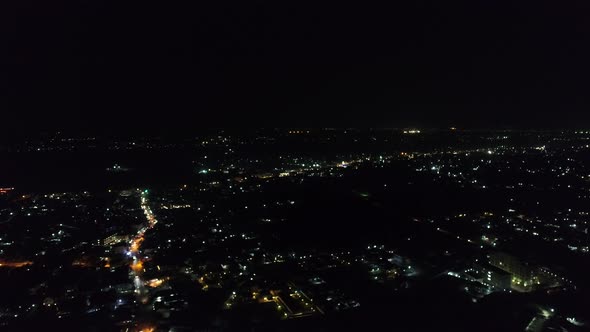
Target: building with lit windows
(115, 238)
(523, 276)
(492, 276)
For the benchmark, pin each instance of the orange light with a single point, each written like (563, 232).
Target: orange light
(155, 283)
(137, 266)
(15, 264)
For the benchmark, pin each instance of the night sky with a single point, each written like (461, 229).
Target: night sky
(127, 63)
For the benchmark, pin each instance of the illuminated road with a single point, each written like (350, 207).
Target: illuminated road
(133, 251)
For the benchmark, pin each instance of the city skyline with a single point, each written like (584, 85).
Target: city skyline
(286, 229)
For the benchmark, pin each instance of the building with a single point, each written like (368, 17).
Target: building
(115, 239)
(523, 276)
(493, 276)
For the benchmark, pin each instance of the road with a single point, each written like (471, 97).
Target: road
(134, 250)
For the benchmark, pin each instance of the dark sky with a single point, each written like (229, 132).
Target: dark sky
(185, 64)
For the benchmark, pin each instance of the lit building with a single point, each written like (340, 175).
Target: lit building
(523, 276)
(493, 276)
(5, 190)
(115, 238)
